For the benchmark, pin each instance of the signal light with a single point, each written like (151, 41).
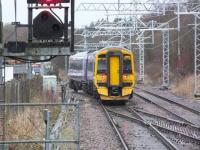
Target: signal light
(47, 1)
(47, 27)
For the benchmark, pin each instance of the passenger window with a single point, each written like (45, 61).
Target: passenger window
(90, 66)
(76, 65)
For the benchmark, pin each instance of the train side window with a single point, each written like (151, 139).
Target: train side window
(127, 66)
(90, 66)
(76, 65)
(102, 67)
(72, 65)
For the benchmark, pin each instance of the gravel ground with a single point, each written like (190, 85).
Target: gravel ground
(140, 104)
(181, 143)
(96, 132)
(193, 103)
(138, 137)
(188, 115)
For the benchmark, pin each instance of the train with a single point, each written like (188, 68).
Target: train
(107, 74)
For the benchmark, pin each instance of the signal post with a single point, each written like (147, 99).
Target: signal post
(47, 33)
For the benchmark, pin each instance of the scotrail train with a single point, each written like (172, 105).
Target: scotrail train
(107, 74)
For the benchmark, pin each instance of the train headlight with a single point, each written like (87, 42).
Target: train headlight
(102, 78)
(126, 77)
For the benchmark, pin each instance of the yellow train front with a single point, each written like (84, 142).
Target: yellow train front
(107, 74)
(114, 74)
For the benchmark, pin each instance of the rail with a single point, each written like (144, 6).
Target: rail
(163, 107)
(125, 146)
(141, 121)
(171, 101)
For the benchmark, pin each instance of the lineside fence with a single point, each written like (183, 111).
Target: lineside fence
(49, 125)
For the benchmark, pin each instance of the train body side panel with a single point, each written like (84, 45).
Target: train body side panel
(77, 66)
(77, 70)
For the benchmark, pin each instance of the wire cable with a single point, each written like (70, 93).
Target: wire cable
(175, 39)
(30, 60)
(56, 16)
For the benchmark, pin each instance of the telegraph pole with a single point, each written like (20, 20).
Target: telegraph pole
(1, 26)
(2, 77)
(1, 43)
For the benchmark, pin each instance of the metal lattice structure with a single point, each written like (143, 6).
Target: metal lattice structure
(165, 38)
(197, 55)
(141, 57)
(102, 44)
(135, 7)
(196, 11)
(107, 33)
(138, 26)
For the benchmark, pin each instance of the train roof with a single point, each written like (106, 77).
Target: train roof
(105, 48)
(80, 55)
(84, 55)
(114, 47)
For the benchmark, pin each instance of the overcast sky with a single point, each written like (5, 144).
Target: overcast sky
(82, 18)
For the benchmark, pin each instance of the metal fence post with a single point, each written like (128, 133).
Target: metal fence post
(78, 126)
(63, 92)
(47, 123)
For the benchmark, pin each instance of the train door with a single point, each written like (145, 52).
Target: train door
(115, 73)
(114, 70)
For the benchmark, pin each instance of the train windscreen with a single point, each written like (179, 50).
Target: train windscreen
(127, 66)
(101, 66)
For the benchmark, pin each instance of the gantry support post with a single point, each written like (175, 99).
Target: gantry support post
(141, 57)
(197, 56)
(165, 38)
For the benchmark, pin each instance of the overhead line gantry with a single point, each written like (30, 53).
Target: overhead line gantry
(155, 7)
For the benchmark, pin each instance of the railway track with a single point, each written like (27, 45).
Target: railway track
(124, 142)
(168, 144)
(184, 113)
(179, 132)
(174, 102)
(81, 96)
(113, 124)
(173, 134)
(177, 126)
